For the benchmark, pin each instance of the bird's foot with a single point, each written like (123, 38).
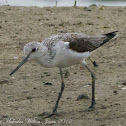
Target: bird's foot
(95, 64)
(44, 114)
(92, 107)
(47, 114)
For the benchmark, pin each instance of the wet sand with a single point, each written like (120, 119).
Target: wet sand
(25, 95)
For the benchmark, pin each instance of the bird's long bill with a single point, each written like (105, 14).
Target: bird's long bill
(24, 60)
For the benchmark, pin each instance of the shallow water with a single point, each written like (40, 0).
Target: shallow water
(42, 3)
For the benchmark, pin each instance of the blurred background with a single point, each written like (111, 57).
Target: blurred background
(45, 3)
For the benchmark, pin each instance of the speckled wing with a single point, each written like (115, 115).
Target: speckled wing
(79, 42)
(83, 43)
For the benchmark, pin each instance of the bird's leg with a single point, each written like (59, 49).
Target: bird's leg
(93, 87)
(61, 91)
(94, 63)
(60, 94)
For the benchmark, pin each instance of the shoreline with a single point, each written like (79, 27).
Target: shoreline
(92, 5)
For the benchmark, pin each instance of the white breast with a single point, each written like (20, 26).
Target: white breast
(62, 56)
(66, 57)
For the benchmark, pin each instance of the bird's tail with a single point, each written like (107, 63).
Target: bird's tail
(109, 36)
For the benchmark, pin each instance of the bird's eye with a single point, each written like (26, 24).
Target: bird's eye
(34, 49)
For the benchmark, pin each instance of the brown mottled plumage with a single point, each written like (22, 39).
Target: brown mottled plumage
(80, 42)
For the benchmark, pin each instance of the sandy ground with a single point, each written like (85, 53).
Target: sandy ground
(24, 95)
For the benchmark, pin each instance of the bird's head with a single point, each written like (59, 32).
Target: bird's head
(31, 51)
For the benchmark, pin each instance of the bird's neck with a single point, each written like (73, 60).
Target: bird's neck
(43, 57)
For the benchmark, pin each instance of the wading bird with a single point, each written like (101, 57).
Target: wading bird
(63, 50)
